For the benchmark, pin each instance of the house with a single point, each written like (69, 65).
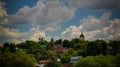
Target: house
(61, 50)
(43, 61)
(75, 59)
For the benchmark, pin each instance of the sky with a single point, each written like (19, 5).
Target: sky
(22, 20)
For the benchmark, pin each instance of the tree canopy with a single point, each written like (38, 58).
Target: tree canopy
(19, 59)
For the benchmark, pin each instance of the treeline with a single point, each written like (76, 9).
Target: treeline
(98, 53)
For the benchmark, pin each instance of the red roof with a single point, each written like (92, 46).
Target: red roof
(60, 50)
(44, 61)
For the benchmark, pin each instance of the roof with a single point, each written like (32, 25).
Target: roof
(60, 50)
(43, 46)
(82, 35)
(40, 65)
(75, 59)
(44, 61)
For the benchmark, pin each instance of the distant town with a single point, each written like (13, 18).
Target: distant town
(61, 53)
(59, 33)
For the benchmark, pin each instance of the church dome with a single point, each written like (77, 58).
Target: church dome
(82, 36)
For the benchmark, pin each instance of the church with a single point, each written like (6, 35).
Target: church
(82, 37)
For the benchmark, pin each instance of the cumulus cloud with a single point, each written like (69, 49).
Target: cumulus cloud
(91, 22)
(71, 32)
(95, 28)
(36, 33)
(113, 31)
(7, 34)
(14, 35)
(33, 34)
(50, 13)
(52, 27)
(95, 4)
(3, 14)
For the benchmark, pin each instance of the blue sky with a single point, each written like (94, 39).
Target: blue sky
(28, 19)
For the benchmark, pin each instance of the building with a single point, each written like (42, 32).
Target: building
(42, 42)
(41, 63)
(82, 37)
(61, 50)
(75, 59)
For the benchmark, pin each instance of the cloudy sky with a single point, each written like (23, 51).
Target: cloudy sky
(22, 20)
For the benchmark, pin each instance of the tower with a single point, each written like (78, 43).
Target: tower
(42, 42)
(82, 37)
(41, 39)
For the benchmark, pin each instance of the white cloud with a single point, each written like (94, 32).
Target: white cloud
(36, 33)
(71, 32)
(113, 31)
(3, 14)
(14, 35)
(52, 27)
(8, 34)
(74, 31)
(94, 28)
(92, 23)
(49, 14)
(2, 9)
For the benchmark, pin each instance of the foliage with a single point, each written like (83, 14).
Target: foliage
(65, 59)
(96, 61)
(58, 41)
(66, 43)
(115, 46)
(41, 54)
(19, 59)
(98, 53)
(73, 52)
(9, 47)
(53, 64)
(118, 60)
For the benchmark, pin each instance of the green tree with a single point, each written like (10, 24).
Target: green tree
(93, 48)
(65, 59)
(19, 59)
(96, 61)
(73, 52)
(51, 53)
(118, 60)
(115, 46)
(53, 64)
(29, 46)
(66, 43)
(42, 54)
(9, 47)
(58, 41)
